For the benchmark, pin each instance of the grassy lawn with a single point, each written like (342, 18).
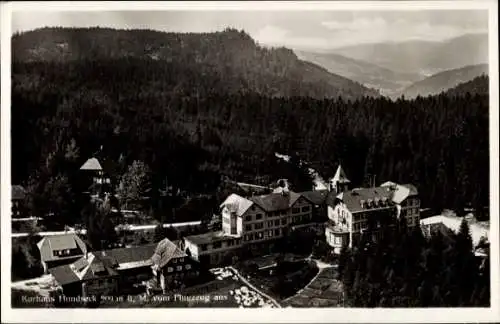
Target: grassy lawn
(324, 291)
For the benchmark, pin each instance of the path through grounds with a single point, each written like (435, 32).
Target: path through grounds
(324, 290)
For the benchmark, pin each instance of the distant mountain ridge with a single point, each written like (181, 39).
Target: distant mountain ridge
(443, 81)
(387, 81)
(232, 55)
(422, 57)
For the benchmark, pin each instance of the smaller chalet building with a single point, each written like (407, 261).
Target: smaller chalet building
(94, 178)
(92, 274)
(60, 249)
(106, 272)
(171, 266)
(352, 212)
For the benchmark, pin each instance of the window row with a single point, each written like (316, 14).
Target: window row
(278, 213)
(64, 252)
(304, 209)
(277, 222)
(181, 260)
(249, 218)
(178, 268)
(102, 282)
(261, 235)
(335, 239)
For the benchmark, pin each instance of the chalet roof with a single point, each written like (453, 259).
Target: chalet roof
(98, 267)
(64, 274)
(413, 189)
(354, 198)
(86, 268)
(49, 244)
(18, 192)
(388, 191)
(237, 204)
(400, 193)
(316, 197)
(340, 176)
(165, 251)
(127, 255)
(209, 237)
(276, 201)
(92, 164)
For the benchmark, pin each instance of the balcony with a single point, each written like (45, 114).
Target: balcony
(336, 228)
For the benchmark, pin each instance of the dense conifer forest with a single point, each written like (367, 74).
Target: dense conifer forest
(192, 134)
(404, 269)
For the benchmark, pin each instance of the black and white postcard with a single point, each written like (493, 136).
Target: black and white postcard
(250, 161)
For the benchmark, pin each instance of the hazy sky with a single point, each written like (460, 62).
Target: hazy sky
(298, 30)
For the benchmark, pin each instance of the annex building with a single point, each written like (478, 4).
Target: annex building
(351, 212)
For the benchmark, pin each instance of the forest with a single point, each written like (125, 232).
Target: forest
(405, 269)
(195, 134)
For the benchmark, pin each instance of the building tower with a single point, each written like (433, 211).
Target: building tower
(339, 183)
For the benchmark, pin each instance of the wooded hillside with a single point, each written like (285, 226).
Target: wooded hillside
(137, 109)
(230, 58)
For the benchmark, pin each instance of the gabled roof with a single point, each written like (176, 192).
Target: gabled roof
(276, 201)
(165, 251)
(64, 274)
(316, 197)
(340, 176)
(128, 255)
(18, 192)
(97, 267)
(49, 244)
(353, 198)
(400, 193)
(413, 189)
(92, 164)
(237, 204)
(389, 191)
(88, 267)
